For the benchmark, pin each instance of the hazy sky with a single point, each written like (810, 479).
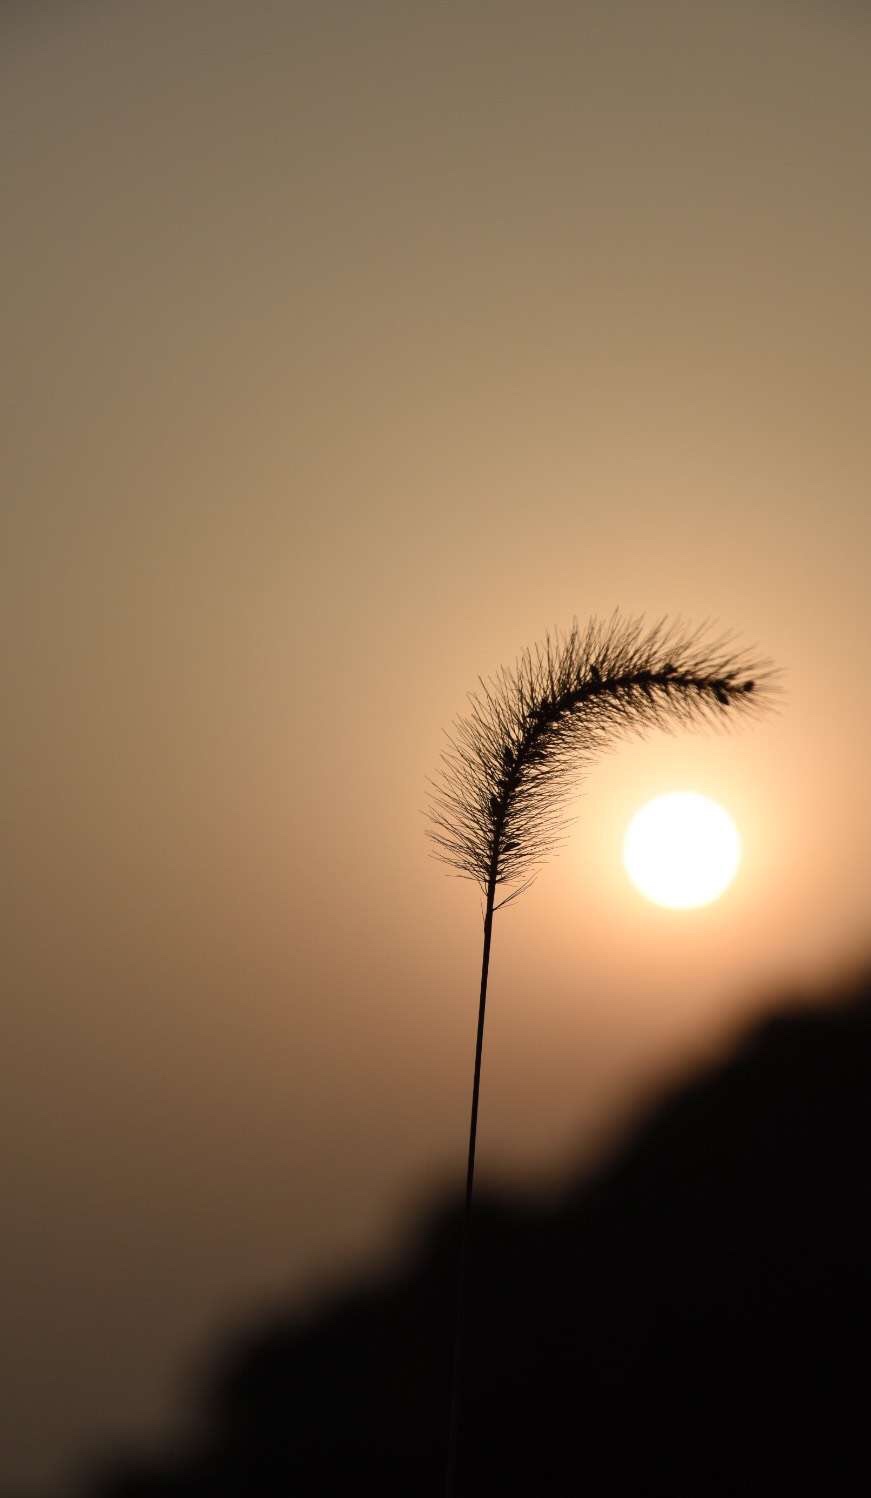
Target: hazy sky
(347, 348)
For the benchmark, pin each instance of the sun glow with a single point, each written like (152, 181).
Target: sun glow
(682, 850)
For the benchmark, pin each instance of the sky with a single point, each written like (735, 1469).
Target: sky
(348, 349)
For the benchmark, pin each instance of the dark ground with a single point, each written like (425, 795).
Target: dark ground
(696, 1321)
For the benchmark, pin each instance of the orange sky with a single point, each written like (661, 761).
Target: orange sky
(348, 348)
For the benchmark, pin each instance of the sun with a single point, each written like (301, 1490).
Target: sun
(682, 850)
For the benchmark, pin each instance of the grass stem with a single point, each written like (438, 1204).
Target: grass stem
(459, 1319)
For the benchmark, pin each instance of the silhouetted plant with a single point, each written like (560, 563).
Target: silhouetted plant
(497, 806)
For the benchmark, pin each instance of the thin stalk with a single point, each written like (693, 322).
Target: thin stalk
(459, 1322)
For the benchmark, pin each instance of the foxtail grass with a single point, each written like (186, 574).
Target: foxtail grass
(498, 802)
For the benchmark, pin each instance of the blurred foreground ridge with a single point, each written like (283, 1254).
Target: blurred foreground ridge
(695, 1321)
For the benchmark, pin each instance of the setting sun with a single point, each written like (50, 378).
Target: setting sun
(682, 850)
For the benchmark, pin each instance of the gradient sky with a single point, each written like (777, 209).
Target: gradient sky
(347, 348)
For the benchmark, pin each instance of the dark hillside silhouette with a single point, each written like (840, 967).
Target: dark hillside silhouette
(695, 1321)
